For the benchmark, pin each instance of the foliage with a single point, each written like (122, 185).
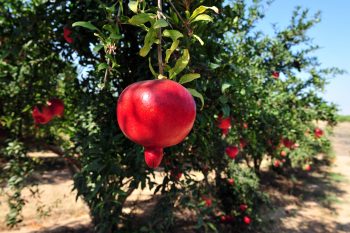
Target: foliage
(210, 47)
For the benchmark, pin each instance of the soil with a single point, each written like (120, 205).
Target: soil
(307, 202)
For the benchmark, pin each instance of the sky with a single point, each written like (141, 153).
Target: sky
(332, 34)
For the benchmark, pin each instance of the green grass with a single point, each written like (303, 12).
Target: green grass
(343, 118)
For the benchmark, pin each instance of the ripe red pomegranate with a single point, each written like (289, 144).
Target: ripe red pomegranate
(276, 163)
(41, 114)
(307, 167)
(175, 174)
(283, 153)
(56, 107)
(66, 34)
(242, 143)
(224, 124)
(287, 143)
(231, 181)
(247, 220)
(208, 201)
(226, 219)
(243, 207)
(232, 151)
(156, 114)
(318, 132)
(275, 74)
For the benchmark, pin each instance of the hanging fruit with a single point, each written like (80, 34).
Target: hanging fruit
(156, 114)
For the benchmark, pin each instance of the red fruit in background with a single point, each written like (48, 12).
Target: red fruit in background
(242, 143)
(224, 124)
(247, 220)
(307, 167)
(232, 151)
(231, 181)
(276, 163)
(66, 34)
(318, 132)
(175, 174)
(287, 143)
(226, 218)
(56, 107)
(283, 153)
(225, 131)
(245, 125)
(41, 115)
(208, 201)
(276, 74)
(295, 145)
(243, 207)
(156, 114)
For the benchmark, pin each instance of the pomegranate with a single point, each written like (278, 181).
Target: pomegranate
(224, 124)
(41, 114)
(156, 114)
(67, 35)
(275, 74)
(243, 207)
(231, 181)
(56, 107)
(247, 220)
(242, 143)
(232, 151)
(208, 201)
(287, 143)
(318, 132)
(283, 153)
(276, 163)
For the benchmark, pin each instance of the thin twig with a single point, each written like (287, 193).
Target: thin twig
(177, 13)
(160, 58)
(182, 20)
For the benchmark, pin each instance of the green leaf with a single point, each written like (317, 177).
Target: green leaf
(161, 23)
(133, 6)
(151, 68)
(197, 94)
(150, 38)
(224, 86)
(98, 48)
(173, 34)
(201, 9)
(102, 66)
(199, 39)
(189, 78)
(180, 64)
(168, 52)
(116, 36)
(202, 17)
(85, 24)
(140, 19)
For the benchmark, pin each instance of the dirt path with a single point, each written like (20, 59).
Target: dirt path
(318, 202)
(314, 202)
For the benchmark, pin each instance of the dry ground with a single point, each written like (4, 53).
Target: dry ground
(315, 202)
